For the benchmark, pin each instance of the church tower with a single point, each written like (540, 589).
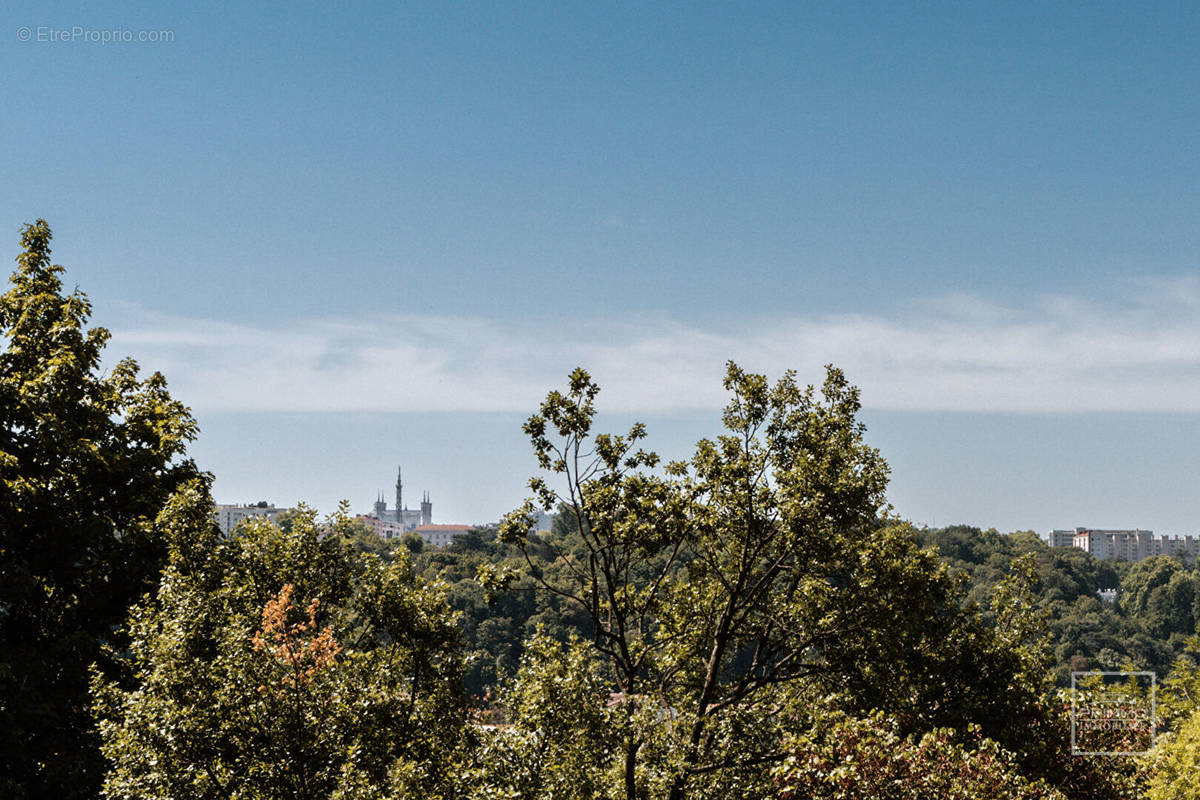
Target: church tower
(426, 510)
(380, 506)
(399, 492)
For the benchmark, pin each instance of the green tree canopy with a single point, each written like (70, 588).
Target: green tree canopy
(727, 592)
(1160, 593)
(1175, 770)
(283, 664)
(86, 462)
(565, 736)
(844, 757)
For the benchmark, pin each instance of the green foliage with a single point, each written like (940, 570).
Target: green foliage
(1176, 770)
(843, 757)
(563, 742)
(86, 462)
(1175, 767)
(726, 592)
(478, 570)
(1179, 698)
(1160, 593)
(413, 542)
(1157, 608)
(283, 663)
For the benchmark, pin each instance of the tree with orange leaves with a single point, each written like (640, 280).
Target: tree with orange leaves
(301, 655)
(283, 664)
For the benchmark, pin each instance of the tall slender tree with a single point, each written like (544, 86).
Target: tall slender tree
(87, 460)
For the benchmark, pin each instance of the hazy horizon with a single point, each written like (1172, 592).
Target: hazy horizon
(352, 241)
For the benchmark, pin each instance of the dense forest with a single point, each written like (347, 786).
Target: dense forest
(1146, 628)
(749, 620)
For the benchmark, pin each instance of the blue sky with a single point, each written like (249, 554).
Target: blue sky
(353, 237)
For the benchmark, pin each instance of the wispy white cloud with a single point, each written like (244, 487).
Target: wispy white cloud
(1056, 354)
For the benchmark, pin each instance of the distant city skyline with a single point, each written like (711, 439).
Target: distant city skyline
(352, 240)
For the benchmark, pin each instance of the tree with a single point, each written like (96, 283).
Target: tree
(283, 664)
(1159, 592)
(413, 542)
(86, 462)
(726, 593)
(842, 757)
(1176, 764)
(565, 734)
